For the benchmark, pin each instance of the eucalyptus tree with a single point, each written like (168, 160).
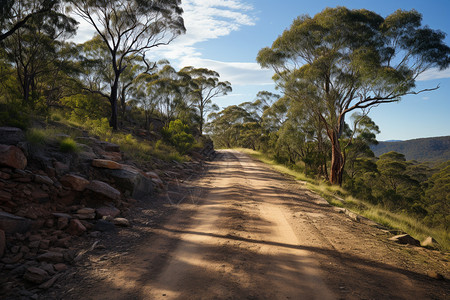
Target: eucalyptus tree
(34, 49)
(344, 60)
(130, 28)
(205, 86)
(15, 14)
(227, 126)
(98, 74)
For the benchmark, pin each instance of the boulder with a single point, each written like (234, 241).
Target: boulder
(36, 275)
(11, 135)
(107, 164)
(12, 224)
(43, 179)
(121, 222)
(132, 181)
(405, 239)
(74, 182)
(13, 157)
(429, 242)
(51, 257)
(104, 189)
(107, 211)
(76, 227)
(86, 210)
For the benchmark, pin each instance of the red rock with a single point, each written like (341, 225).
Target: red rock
(107, 211)
(106, 164)
(86, 210)
(36, 275)
(74, 182)
(5, 196)
(2, 243)
(121, 222)
(76, 227)
(51, 257)
(104, 189)
(11, 156)
(43, 179)
(60, 267)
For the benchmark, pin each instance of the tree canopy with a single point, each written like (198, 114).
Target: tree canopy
(343, 60)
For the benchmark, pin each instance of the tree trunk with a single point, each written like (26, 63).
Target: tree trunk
(113, 122)
(337, 159)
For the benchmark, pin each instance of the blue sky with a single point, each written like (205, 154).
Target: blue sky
(226, 35)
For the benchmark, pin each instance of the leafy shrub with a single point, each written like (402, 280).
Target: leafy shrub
(14, 115)
(68, 145)
(178, 135)
(84, 107)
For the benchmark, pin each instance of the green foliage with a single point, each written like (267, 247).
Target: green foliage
(179, 136)
(344, 60)
(82, 107)
(437, 198)
(14, 115)
(68, 145)
(36, 136)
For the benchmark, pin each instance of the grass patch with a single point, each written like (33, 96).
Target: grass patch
(37, 136)
(337, 196)
(68, 145)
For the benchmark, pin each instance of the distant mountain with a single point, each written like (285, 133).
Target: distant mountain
(426, 149)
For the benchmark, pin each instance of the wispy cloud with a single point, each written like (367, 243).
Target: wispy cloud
(238, 73)
(206, 20)
(434, 74)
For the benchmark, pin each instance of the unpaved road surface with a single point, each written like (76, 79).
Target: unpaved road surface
(251, 233)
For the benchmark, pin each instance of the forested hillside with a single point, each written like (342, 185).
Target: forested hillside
(426, 149)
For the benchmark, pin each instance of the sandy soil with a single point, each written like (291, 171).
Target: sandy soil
(244, 231)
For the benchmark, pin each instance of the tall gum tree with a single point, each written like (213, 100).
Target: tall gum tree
(130, 28)
(205, 86)
(343, 60)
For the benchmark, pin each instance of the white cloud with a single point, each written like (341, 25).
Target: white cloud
(206, 20)
(238, 73)
(434, 74)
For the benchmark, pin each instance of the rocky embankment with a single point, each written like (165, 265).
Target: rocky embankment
(50, 199)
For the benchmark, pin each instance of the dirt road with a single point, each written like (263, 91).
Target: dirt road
(254, 234)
